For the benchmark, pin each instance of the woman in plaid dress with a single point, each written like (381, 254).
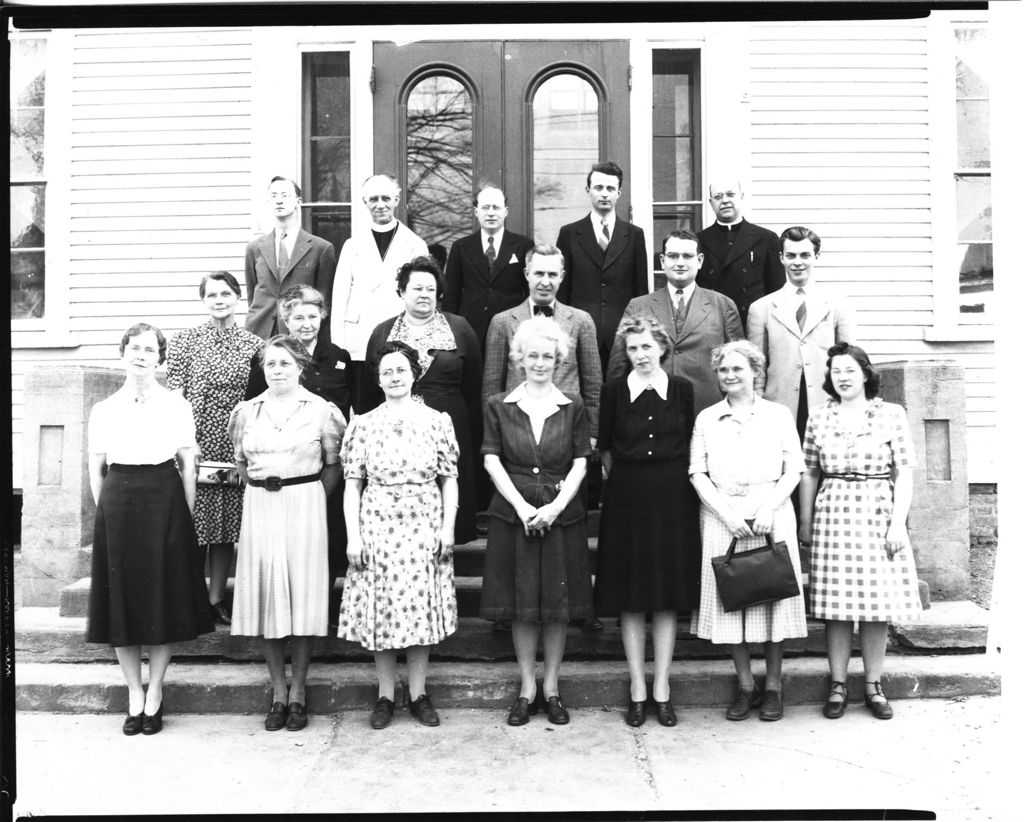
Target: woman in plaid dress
(745, 462)
(862, 568)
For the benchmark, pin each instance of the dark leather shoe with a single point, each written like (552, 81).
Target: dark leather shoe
(666, 714)
(132, 724)
(876, 701)
(557, 715)
(521, 711)
(502, 626)
(771, 707)
(220, 613)
(153, 724)
(424, 711)
(833, 709)
(589, 626)
(275, 717)
(636, 713)
(745, 700)
(383, 710)
(297, 718)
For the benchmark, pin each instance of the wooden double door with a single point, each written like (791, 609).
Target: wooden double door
(528, 116)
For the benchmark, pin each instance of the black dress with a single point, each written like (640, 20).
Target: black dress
(451, 384)
(536, 578)
(330, 377)
(649, 548)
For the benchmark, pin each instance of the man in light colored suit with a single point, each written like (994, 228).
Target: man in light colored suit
(285, 257)
(580, 372)
(486, 270)
(605, 257)
(365, 288)
(696, 320)
(795, 326)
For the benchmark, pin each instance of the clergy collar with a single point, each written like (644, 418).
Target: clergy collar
(729, 226)
(519, 393)
(636, 386)
(384, 229)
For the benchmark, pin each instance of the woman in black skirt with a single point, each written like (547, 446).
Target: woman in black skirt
(648, 557)
(147, 574)
(537, 568)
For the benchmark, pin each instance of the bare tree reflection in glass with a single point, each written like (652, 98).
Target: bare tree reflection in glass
(439, 134)
(565, 146)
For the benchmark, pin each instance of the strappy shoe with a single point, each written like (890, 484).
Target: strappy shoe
(833, 709)
(876, 702)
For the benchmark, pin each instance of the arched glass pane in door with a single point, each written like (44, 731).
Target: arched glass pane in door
(439, 149)
(565, 146)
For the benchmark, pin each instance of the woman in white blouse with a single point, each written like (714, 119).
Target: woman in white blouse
(745, 462)
(147, 575)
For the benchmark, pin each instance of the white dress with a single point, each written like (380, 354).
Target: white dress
(744, 454)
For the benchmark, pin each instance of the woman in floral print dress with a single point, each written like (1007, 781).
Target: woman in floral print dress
(400, 465)
(209, 366)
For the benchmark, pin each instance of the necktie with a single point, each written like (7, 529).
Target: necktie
(801, 310)
(680, 312)
(282, 253)
(491, 254)
(605, 236)
(545, 310)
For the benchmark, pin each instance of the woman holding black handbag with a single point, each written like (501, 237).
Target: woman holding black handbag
(745, 461)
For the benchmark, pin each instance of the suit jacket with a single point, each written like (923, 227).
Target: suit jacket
(365, 287)
(745, 272)
(602, 283)
(579, 373)
(311, 263)
(772, 327)
(711, 319)
(478, 294)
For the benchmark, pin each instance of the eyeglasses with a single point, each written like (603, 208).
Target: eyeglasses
(672, 256)
(727, 195)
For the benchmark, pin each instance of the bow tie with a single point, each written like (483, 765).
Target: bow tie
(545, 310)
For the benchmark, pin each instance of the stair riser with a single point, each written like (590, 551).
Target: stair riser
(712, 690)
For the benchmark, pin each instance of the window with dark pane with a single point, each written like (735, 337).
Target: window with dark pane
(439, 159)
(675, 149)
(327, 141)
(973, 176)
(28, 178)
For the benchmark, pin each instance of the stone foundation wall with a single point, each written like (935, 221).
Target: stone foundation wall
(983, 514)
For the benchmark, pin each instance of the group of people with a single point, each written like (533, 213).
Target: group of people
(348, 430)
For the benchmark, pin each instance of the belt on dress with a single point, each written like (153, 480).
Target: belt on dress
(853, 476)
(277, 483)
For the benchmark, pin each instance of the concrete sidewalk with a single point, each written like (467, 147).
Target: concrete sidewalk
(946, 756)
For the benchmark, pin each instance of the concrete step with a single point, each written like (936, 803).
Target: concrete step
(243, 688)
(42, 635)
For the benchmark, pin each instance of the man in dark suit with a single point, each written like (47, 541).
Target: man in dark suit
(285, 257)
(741, 260)
(486, 271)
(605, 258)
(695, 319)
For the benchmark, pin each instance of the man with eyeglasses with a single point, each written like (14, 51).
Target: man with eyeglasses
(741, 260)
(486, 273)
(365, 292)
(695, 319)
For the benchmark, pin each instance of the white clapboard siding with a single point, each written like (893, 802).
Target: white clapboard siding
(840, 127)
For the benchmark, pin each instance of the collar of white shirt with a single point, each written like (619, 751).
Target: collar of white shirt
(553, 304)
(497, 239)
(687, 293)
(596, 222)
(637, 386)
(789, 291)
(519, 393)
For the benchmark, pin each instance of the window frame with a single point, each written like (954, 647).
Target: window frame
(949, 324)
(53, 329)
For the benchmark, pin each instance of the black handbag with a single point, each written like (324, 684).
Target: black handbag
(754, 577)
